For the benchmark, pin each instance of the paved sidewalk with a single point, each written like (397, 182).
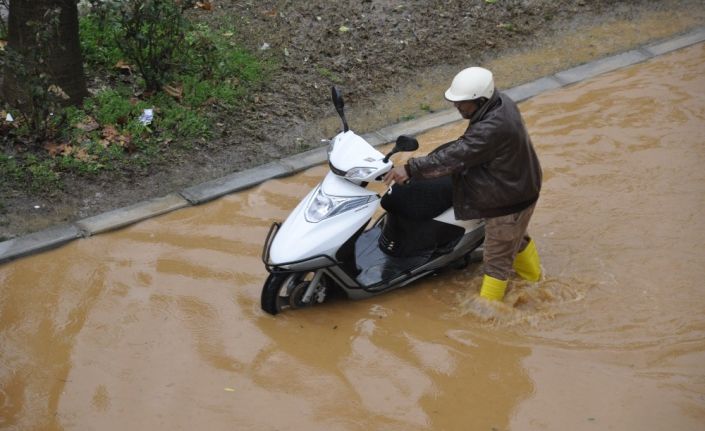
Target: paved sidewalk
(195, 195)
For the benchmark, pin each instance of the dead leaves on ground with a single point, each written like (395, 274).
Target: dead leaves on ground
(88, 125)
(109, 135)
(204, 5)
(58, 92)
(175, 90)
(54, 149)
(124, 67)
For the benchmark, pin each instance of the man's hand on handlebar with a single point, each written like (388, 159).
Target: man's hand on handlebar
(396, 175)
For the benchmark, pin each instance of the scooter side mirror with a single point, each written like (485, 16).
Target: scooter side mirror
(407, 143)
(404, 143)
(339, 104)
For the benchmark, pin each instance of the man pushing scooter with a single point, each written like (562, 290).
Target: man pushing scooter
(495, 175)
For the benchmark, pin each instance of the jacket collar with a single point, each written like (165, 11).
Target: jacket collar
(491, 103)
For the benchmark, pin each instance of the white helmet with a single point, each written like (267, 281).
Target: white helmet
(471, 83)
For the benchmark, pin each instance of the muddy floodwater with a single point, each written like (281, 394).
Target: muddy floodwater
(158, 326)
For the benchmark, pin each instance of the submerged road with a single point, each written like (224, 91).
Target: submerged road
(158, 326)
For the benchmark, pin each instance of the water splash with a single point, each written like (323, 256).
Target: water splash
(525, 303)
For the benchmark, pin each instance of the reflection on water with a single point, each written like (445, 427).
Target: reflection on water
(158, 326)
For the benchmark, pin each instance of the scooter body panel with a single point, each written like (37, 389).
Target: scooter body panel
(350, 151)
(448, 216)
(299, 239)
(333, 185)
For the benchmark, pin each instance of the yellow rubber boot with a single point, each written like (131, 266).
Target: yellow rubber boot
(493, 288)
(527, 263)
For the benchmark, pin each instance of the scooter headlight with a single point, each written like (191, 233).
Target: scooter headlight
(359, 173)
(323, 206)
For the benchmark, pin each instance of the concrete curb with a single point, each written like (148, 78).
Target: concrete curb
(121, 217)
(533, 88)
(598, 67)
(38, 241)
(231, 183)
(198, 194)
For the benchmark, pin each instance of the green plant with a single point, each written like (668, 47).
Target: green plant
(507, 26)
(41, 174)
(198, 92)
(39, 98)
(327, 73)
(64, 121)
(152, 34)
(238, 63)
(214, 69)
(9, 168)
(99, 36)
(113, 107)
(70, 163)
(183, 122)
(210, 54)
(103, 10)
(407, 117)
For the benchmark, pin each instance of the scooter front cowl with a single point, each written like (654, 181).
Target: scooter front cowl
(321, 223)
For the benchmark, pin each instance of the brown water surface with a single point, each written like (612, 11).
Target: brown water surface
(158, 326)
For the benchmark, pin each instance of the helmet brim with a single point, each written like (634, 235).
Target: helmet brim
(453, 97)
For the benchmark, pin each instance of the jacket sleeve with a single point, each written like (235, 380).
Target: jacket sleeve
(472, 149)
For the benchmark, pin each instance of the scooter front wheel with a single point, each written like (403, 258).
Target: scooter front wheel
(281, 291)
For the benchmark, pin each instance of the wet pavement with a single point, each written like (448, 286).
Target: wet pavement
(158, 326)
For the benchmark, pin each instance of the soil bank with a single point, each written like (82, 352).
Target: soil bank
(393, 61)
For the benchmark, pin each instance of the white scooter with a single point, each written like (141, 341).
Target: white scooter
(323, 245)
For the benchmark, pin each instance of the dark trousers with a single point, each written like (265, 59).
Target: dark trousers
(420, 199)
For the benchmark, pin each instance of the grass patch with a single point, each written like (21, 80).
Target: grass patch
(408, 117)
(328, 74)
(212, 77)
(35, 173)
(98, 36)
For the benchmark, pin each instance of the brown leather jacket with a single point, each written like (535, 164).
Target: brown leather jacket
(494, 167)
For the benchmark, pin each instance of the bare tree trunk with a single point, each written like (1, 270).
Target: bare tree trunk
(43, 34)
